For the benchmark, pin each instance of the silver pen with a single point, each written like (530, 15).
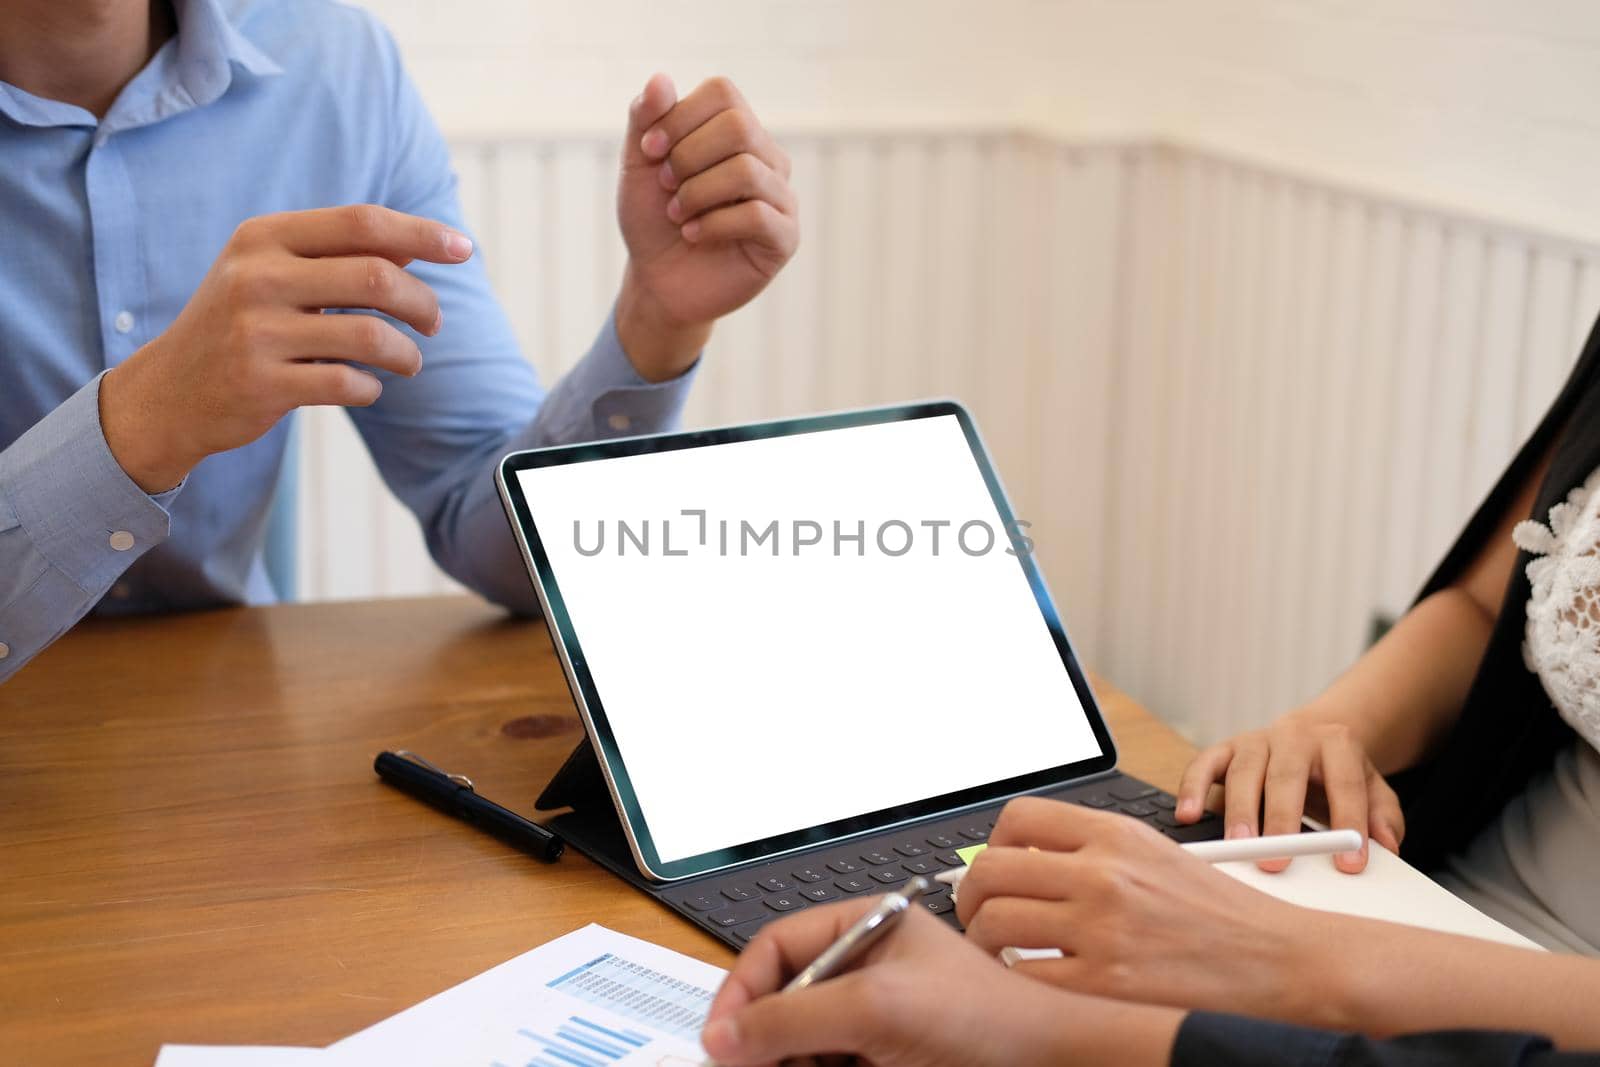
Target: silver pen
(862, 935)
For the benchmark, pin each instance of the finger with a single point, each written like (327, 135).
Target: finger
(1009, 922)
(826, 1017)
(1288, 775)
(1203, 771)
(653, 102)
(1034, 822)
(1241, 791)
(1011, 872)
(681, 118)
(782, 949)
(360, 230)
(364, 339)
(363, 282)
(1386, 820)
(1344, 781)
(754, 221)
(722, 137)
(744, 177)
(335, 384)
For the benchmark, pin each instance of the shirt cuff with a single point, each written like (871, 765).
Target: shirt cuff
(621, 403)
(78, 506)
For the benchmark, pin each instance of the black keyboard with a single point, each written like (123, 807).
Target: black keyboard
(733, 905)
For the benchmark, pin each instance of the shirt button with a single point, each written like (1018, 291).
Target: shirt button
(619, 422)
(5, 650)
(123, 322)
(120, 591)
(122, 540)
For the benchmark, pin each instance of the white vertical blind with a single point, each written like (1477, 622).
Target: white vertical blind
(1243, 411)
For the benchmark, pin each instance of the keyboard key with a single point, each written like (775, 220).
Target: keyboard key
(819, 893)
(938, 905)
(1131, 790)
(1097, 800)
(975, 832)
(1167, 818)
(807, 874)
(751, 928)
(941, 841)
(875, 858)
(734, 914)
(949, 859)
(927, 866)
(844, 866)
(704, 902)
(1165, 801)
(934, 887)
(742, 891)
(785, 901)
(851, 883)
(1208, 829)
(910, 848)
(1140, 809)
(773, 884)
(889, 875)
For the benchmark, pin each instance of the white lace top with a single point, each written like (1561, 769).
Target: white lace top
(1536, 867)
(1562, 641)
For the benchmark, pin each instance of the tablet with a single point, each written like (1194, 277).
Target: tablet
(782, 634)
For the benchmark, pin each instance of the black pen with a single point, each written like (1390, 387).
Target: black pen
(453, 794)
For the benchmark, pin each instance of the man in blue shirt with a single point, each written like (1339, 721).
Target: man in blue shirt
(176, 191)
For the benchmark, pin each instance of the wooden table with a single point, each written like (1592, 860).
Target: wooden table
(194, 848)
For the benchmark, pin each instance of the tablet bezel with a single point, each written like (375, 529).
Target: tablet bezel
(585, 695)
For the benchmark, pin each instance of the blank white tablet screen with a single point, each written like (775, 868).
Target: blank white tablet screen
(757, 683)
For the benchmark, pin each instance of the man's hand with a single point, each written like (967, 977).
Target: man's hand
(920, 997)
(707, 214)
(252, 343)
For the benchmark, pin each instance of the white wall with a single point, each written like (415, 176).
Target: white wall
(1487, 106)
(514, 66)
(1484, 106)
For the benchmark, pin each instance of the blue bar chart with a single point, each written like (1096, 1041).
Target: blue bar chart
(580, 1042)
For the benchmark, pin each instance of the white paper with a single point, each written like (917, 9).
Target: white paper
(595, 997)
(235, 1056)
(1389, 889)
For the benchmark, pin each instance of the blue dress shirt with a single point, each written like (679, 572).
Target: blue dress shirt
(108, 227)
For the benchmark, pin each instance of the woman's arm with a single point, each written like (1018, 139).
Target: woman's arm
(1383, 715)
(1138, 918)
(1383, 979)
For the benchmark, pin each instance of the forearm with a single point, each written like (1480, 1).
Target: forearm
(1383, 979)
(602, 396)
(1406, 691)
(71, 522)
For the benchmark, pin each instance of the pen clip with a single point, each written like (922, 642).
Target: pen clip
(459, 779)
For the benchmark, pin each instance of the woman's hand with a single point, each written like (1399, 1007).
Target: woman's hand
(1135, 916)
(921, 997)
(1300, 756)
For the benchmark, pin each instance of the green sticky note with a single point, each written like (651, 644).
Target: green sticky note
(970, 853)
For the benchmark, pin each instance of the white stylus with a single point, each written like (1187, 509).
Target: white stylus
(1276, 847)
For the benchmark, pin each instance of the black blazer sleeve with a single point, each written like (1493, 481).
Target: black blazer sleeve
(1207, 1039)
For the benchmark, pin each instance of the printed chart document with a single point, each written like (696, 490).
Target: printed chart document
(590, 999)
